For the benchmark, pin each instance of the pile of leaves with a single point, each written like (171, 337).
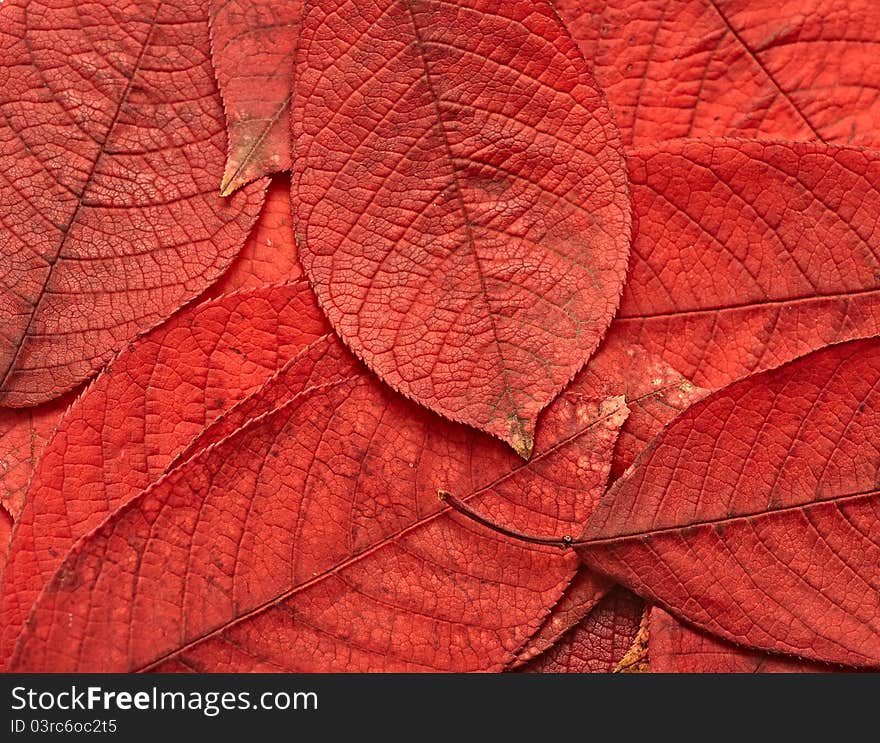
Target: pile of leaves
(603, 274)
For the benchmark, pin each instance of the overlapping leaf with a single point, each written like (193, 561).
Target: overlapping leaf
(139, 414)
(111, 138)
(599, 642)
(750, 254)
(676, 648)
(469, 244)
(316, 524)
(754, 515)
(23, 434)
(253, 43)
(269, 254)
(778, 69)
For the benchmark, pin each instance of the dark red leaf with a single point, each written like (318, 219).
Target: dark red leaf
(253, 43)
(460, 200)
(111, 145)
(599, 642)
(754, 515)
(773, 69)
(139, 414)
(585, 590)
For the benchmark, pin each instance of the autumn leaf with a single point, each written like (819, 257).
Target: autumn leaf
(6, 524)
(23, 435)
(269, 255)
(323, 507)
(676, 648)
(599, 642)
(753, 515)
(110, 141)
(253, 43)
(749, 254)
(460, 201)
(142, 411)
(583, 593)
(768, 69)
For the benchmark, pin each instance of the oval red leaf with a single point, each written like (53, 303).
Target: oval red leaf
(139, 414)
(460, 198)
(111, 145)
(754, 515)
(312, 538)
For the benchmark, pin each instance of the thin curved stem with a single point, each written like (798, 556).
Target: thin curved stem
(563, 542)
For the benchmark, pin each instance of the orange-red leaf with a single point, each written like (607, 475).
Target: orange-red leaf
(777, 69)
(460, 199)
(312, 538)
(252, 46)
(749, 254)
(111, 146)
(754, 515)
(141, 412)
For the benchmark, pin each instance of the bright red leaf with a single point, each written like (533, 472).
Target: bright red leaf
(460, 199)
(312, 538)
(772, 69)
(23, 434)
(253, 43)
(6, 524)
(599, 642)
(269, 255)
(111, 142)
(676, 648)
(754, 515)
(140, 413)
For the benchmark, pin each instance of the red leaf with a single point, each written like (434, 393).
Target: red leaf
(23, 434)
(111, 144)
(654, 392)
(311, 538)
(460, 200)
(253, 43)
(139, 414)
(773, 69)
(269, 255)
(585, 590)
(6, 524)
(750, 254)
(754, 514)
(599, 642)
(676, 648)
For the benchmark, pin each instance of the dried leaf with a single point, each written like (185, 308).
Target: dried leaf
(139, 414)
(311, 538)
(253, 43)
(460, 200)
(770, 69)
(110, 141)
(754, 514)
(599, 642)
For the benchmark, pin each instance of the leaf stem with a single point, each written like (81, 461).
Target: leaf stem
(563, 542)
